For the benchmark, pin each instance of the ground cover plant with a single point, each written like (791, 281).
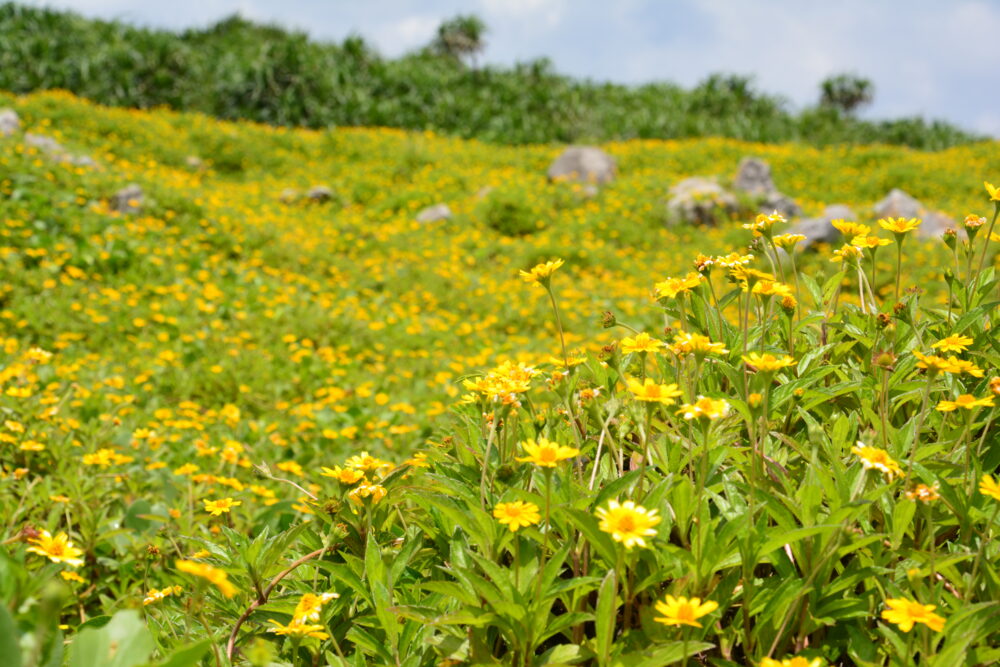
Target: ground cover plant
(238, 69)
(246, 427)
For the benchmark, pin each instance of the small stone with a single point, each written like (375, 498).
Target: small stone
(128, 200)
(289, 196)
(434, 213)
(44, 144)
(900, 204)
(319, 194)
(820, 229)
(753, 176)
(700, 201)
(9, 122)
(584, 164)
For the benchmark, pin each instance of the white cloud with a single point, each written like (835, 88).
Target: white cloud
(405, 34)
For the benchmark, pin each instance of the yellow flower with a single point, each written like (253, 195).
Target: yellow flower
(343, 475)
(688, 343)
(962, 366)
(772, 288)
(994, 192)
(72, 576)
(761, 226)
(767, 363)
(542, 273)
(788, 241)
(989, 487)
(310, 606)
(545, 453)
(905, 613)
(221, 506)
(796, 661)
(57, 549)
(671, 287)
(732, 260)
(933, 363)
(650, 392)
(953, 343)
(365, 461)
(899, 225)
(850, 229)
(374, 491)
(846, 252)
(923, 493)
(517, 514)
(155, 595)
(973, 221)
(869, 242)
(211, 574)
(874, 458)
(995, 385)
(294, 629)
(683, 611)
(709, 408)
(628, 523)
(966, 402)
(642, 342)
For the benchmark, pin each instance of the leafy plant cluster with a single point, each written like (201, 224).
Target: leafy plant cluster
(241, 430)
(237, 69)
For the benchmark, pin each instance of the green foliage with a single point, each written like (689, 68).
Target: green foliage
(846, 92)
(237, 69)
(508, 210)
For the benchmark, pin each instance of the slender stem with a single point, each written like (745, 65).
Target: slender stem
(899, 264)
(986, 241)
(231, 644)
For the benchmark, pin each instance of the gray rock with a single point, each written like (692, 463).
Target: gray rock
(434, 213)
(128, 200)
(820, 229)
(44, 144)
(9, 122)
(899, 204)
(753, 177)
(700, 201)
(289, 196)
(80, 160)
(585, 164)
(783, 204)
(319, 194)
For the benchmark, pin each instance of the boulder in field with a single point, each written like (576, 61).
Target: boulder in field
(900, 204)
(319, 194)
(434, 213)
(128, 200)
(44, 144)
(700, 201)
(820, 229)
(585, 164)
(753, 177)
(9, 122)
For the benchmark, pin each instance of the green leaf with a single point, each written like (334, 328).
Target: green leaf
(124, 642)
(188, 656)
(9, 646)
(607, 607)
(902, 517)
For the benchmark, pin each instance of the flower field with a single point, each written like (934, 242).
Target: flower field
(246, 426)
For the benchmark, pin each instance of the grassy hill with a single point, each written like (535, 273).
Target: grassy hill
(231, 340)
(240, 70)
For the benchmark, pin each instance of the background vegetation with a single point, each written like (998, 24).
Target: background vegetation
(240, 70)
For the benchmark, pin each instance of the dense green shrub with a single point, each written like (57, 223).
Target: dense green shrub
(237, 69)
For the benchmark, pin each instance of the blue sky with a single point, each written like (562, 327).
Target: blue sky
(938, 59)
